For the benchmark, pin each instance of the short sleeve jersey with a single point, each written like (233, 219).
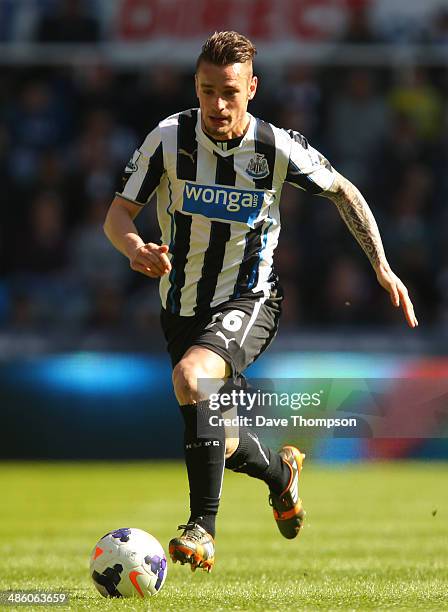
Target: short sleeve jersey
(218, 204)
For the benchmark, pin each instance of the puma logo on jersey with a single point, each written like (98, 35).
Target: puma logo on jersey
(189, 155)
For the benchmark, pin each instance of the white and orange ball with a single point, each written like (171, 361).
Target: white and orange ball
(128, 562)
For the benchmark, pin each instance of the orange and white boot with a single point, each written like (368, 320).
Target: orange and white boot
(195, 546)
(287, 507)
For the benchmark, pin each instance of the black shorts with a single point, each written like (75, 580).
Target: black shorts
(238, 330)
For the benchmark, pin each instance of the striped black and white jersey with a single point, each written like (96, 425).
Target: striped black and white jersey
(218, 204)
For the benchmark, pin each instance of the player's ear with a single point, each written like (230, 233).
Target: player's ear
(253, 87)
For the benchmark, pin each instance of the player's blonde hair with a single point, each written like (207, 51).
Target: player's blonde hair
(224, 48)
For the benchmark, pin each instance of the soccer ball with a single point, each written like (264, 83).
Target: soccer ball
(128, 563)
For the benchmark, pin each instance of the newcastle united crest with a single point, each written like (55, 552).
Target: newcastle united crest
(258, 167)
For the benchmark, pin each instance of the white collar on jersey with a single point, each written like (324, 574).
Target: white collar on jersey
(206, 142)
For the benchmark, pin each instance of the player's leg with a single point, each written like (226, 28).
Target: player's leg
(243, 330)
(204, 456)
(280, 471)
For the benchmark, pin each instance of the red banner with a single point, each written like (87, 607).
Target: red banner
(308, 20)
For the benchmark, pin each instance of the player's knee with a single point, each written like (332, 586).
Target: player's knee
(185, 381)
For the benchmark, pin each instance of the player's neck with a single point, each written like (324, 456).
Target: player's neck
(236, 134)
(229, 143)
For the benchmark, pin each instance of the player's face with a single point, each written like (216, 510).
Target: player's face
(224, 93)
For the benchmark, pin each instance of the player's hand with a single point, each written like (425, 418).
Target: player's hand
(151, 259)
(398, 293)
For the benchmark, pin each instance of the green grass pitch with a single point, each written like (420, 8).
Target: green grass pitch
(376, 536)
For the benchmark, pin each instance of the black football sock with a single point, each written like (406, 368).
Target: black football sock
(204, 457)
(257, 460)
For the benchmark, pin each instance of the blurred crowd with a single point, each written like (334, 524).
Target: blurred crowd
(67, 133)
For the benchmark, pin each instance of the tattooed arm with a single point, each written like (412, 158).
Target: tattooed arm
(359, 218)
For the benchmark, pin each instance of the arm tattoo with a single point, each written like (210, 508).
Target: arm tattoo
(358, 217)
